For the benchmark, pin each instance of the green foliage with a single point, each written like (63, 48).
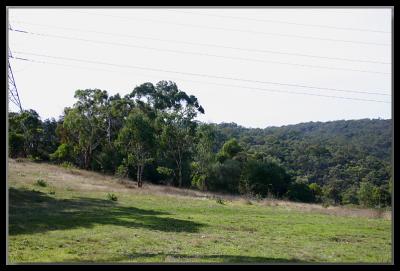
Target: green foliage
(350, 196)
(33, 158)
(332, 190)
(41, 182)
(225, 176)
(153, 131)
(63, 153)
(264, 178)
(68, 165)
(370, 195)
(366, 194)
(220, 201)
(299, 191)
(122, 171)
(230, 149)
(112, 197)
(29, 136)
(137, 141)
(16, 144)
(316, 190)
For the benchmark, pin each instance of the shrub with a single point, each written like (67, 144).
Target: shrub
(63, 152)
(325, 204)
(263, 178)
(225, 176)
(68, 165)
(112, 197)
(300, 192)
(316, 190)
(33, 158)
(220, 201)
(20, 160)
(350, 195)
(166, 173)
(121, 171)
(52, 191)
(40, 182)
(16, 144)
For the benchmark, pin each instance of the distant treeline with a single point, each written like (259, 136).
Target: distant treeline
(151, 134)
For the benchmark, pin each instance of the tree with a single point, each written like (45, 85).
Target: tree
(225, 177)
(316, 190)
(85, 124)
(333, 189)
(299, 191)
(366, 194)
(177, 139)
(25, 131)
(349, 196)
(229, 150)
(263, 178)
(204, 156)
(137, 140)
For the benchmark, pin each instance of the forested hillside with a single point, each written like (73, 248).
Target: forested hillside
(151, 135)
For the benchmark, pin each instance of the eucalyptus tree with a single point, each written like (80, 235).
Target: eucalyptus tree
(204, 156)
(137, 141)
(85, 123)
(175, 111)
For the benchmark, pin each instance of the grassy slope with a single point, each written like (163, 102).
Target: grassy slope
(78, 223)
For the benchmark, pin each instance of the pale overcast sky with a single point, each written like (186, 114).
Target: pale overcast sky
(48, 88)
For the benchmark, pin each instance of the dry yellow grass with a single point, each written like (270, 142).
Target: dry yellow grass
(77, 179)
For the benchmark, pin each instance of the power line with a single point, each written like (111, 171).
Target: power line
(213, 83)
(206, 44)
(238, 30)
(199, 75)
(284, 22)
(196, 53)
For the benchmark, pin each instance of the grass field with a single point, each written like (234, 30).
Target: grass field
(70, 219)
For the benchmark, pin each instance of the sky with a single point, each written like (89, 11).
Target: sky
(257, 67)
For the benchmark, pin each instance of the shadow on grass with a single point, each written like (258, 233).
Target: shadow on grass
(33, 212)
(184, 258)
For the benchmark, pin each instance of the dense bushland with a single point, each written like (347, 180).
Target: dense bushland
(151, 134)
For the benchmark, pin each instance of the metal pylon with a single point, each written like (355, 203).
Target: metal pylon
(12, 86)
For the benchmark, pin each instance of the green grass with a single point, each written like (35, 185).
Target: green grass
(60, 224)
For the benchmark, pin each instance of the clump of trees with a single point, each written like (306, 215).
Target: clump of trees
(151, 134)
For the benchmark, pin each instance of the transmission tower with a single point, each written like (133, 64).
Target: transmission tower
(13, 95)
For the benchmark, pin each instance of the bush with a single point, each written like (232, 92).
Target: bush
(40, 182)
(68, 165)
(366, 194)
(300, 192)
(166, 173)
(225, 176)
(262, 178)
(52, 191)
(220, 201)
(122, 171)
(16, 144)
(112, 197)
(350, 196)
(34, 158)
(63, 153)
(316, 190)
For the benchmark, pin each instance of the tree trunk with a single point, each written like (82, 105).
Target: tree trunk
(179, 175)
(138, 176)
(141, 175)
(86, 160)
